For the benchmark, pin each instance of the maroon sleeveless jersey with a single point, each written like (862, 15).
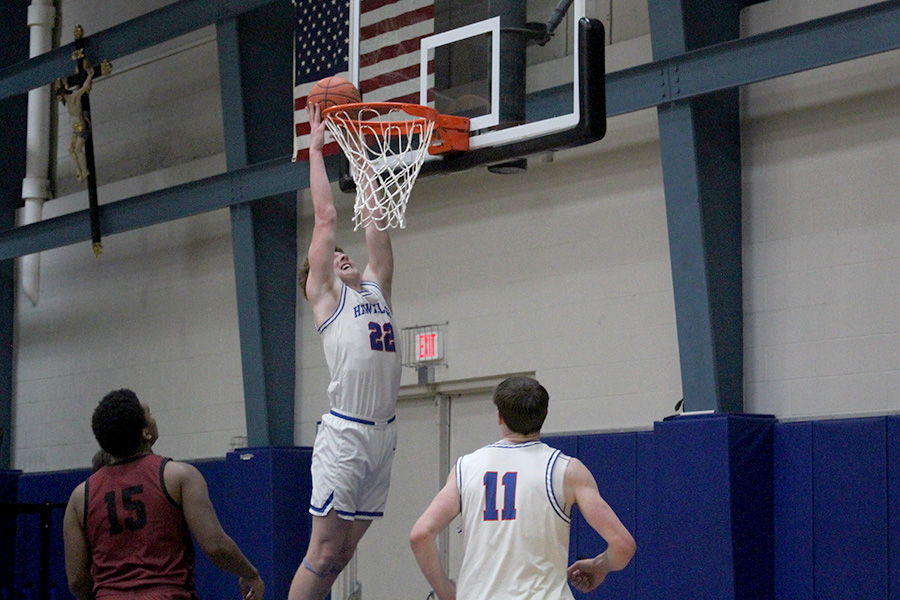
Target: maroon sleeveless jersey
(140, 543)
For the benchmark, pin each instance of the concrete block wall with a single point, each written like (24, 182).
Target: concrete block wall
(156, 312)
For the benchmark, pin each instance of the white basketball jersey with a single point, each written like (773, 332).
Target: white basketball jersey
(515, 523)
(362, 355)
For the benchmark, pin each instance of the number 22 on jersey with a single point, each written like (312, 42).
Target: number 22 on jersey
(508, 512)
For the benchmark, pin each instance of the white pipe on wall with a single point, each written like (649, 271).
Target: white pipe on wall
(36, 185)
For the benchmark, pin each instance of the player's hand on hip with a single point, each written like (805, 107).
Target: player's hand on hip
(586, 574)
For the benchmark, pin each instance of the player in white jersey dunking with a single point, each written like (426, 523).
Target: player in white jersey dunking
(354, 449)
(516, 499)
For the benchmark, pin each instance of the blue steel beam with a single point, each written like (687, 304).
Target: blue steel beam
(243, 247)
(256, 106)
(126, 38)
(700, 151)
(766, 56)
(818, 43)
(169, 204)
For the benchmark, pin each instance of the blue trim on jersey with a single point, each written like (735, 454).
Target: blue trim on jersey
(324, 508)
(459, 480)
(548, 483)
(337, 311)
(380, 291)
(363, 421)
(372, 284)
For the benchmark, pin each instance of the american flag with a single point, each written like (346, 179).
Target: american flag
(390, 32)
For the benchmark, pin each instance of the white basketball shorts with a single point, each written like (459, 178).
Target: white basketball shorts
(351, 466)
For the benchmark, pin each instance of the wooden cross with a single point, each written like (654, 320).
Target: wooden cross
(74, 92)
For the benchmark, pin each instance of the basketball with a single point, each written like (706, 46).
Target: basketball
(332, 91)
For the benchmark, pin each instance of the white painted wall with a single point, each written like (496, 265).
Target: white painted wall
(562, 270)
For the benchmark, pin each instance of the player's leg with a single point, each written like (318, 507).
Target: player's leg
(324, 560)
(357, 529)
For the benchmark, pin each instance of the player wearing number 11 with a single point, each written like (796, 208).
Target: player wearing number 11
(127, 529)
(516, 498)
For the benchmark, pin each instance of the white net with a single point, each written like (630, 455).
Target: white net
(386, 148)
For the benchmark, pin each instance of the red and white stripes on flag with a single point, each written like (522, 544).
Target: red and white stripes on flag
(390, 32)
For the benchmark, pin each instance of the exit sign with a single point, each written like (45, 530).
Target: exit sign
(423, 345)
(429, 346)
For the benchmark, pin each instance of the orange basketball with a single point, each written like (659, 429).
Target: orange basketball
(333, 91)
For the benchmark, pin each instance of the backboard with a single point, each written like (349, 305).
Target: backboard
(511, 66)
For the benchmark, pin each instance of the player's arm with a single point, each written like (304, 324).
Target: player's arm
(581, 489)
(321, 285)
(76, 549)
(380, 268)
(187, 485)
(423, 538)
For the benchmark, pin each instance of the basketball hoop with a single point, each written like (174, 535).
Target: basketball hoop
(386, 144)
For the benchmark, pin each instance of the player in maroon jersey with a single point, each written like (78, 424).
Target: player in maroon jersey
(127, 529)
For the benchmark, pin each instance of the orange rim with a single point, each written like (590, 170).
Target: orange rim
(422, 114)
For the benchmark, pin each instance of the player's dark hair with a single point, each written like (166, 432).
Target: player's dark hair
(303, 275)
(522, 402)
(118, 423)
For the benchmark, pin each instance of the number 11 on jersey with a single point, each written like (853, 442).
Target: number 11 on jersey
(509, 496)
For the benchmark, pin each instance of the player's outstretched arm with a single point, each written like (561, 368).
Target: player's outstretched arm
(581, 489)
(186, 483)
(321, 281)
(435, 519)
(77, 551)
(380, 268)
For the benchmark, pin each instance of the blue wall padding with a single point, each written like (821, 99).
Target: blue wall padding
(9, 489)
(37, 488)
(612, 459)
(268, 508)
(793, 504)
(752, 516)
(694, 493)
(851, 510)
(713, 507)
(694, 552)
(644, 532)
(210, 581)
(893, 447)
(893, 482)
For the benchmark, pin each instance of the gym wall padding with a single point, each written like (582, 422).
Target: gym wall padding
(893, 448)
(610, 454)
(850, 502)
(39, 488)
(794, 562)
(9, 486)
(264, 498)
(713, 507)
(806, 509)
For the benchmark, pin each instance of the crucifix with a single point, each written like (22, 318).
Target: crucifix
(74, 93)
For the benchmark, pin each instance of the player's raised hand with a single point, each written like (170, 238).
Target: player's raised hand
(316, 127)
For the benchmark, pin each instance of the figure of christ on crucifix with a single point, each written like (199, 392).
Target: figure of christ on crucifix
(81, 124)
